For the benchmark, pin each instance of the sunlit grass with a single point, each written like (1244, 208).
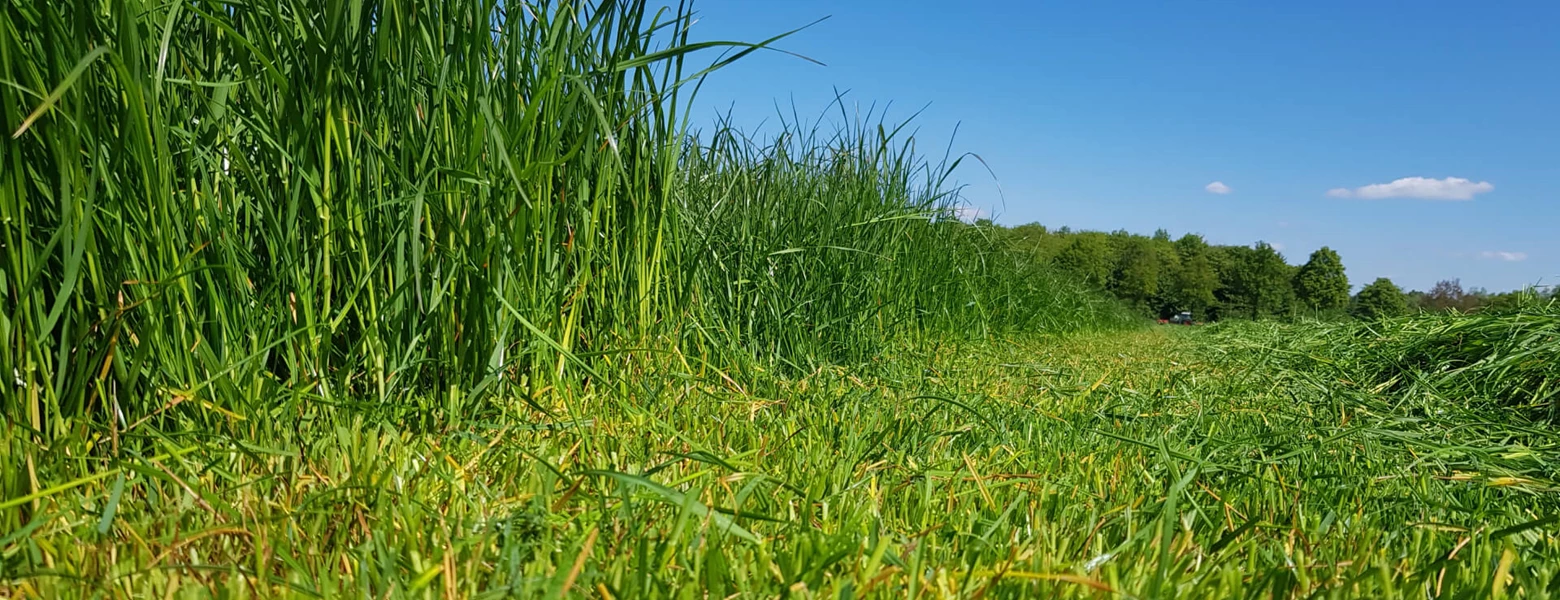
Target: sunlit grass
(448, 299)
(1150, 463)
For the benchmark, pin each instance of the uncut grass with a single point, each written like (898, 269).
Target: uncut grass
(816, 249)
(252, 208)
(1149, 463)
(418, 207)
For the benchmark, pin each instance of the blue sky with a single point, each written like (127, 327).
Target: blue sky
(1118, 115)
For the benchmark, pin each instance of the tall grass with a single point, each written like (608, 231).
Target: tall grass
(218, 210)
(817, 248)
(326, 201)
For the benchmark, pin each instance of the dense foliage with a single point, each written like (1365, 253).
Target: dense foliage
(1321, 285)
(1158, 277)
(1381, 299)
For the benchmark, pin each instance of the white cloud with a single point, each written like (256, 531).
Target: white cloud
(1218, 187)
(970, 213)
(1506, 256)
(1423, 188)
(1279, 246)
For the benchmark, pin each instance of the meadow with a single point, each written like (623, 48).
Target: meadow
(453, 299)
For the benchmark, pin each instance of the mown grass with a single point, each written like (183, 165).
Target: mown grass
(1155, 463)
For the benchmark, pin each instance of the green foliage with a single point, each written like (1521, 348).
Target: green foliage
(1257, 282)
(1448, 295)
(1159, 277)
(1137, 274)
(1321, 285)
(1381, 299)
(1090, 257)
(1195, 280)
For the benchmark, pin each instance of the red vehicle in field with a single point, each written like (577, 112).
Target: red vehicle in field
(1182, 318)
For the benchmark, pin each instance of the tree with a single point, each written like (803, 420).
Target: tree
(1257, 282)
(1321, 284)
(1381, 299)
(1448, 295)
(1194, 280)
(1029, 238)
(1136, 276)
(1508, 301)
(1089, 257)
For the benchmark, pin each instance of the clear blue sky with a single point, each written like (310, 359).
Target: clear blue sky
(1118, 115)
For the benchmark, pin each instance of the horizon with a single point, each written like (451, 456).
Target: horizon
(1414, 143)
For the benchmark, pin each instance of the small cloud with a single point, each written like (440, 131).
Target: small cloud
(1279, 246)
(1423, 188)
(1506, 256)
(970, 213)
(1218, 187)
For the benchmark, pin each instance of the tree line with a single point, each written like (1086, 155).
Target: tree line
(1159, 276)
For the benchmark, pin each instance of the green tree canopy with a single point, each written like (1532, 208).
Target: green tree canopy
(1380, 299)
(1089, 256)
(1195, 279)
(1159, 275)
(1321, 284)
(1136, 276)
(1257, 282)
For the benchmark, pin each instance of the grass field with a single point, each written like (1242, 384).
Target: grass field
(1153, 462)
(449, 298)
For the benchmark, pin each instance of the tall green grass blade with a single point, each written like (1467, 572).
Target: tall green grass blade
(59, 90)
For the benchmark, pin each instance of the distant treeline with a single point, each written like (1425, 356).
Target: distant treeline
(1159, 276)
